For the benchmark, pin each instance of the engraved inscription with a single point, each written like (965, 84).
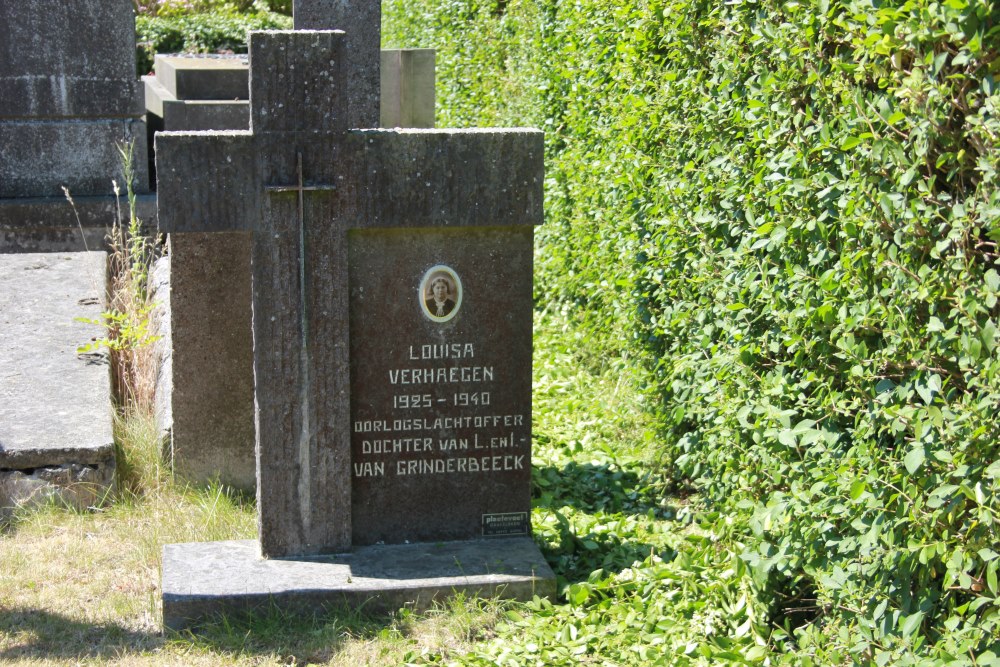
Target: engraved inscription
(485, 440)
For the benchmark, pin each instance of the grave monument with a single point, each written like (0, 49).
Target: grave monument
(392, 304)
(211, 422)
(68, 96)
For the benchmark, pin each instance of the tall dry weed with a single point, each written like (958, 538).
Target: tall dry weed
(128, 338)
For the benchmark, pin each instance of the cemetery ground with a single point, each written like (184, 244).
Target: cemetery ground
(640, 581)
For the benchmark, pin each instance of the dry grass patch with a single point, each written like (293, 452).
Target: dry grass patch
(84, 588)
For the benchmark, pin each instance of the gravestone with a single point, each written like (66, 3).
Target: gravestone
(212, 428)
(68, 96)
(392, 343)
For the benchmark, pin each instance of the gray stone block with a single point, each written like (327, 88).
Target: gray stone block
(38, 158)
(159, 291)
(203, 77)
(51, 224)
(407, 88)
(167, 113)
(207, 579)
(212, 359)
(361, 20)
(68, 59)
(55, 404)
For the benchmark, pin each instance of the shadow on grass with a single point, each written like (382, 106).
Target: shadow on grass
(310, 636)
(592, 487)
(34, 633)
(577, 546)
(31, 634)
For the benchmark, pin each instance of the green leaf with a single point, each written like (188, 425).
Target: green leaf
(911, 623)
(578, 594)
(914, 459)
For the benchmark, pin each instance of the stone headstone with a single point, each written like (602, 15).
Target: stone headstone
(212, 424)
(392, 327)
(68, 97)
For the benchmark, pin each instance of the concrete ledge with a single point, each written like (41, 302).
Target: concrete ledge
(49, 224)
(204, 76)
(164, 112)
(202, 579)
(40, 157)
(55, 405)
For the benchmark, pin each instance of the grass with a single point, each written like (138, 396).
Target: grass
(84, 586)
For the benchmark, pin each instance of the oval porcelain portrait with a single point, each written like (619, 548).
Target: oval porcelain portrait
(440, 293)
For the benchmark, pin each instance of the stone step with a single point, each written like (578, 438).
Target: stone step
(203, 76)
(167, 113)
(210, 91)
(55, 404)
(206, 579)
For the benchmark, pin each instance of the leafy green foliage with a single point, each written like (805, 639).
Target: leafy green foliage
(224, 32)
(787, 212)
(181, 7)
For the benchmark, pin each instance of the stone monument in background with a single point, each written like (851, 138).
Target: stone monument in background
(392, 321)
(69, 96)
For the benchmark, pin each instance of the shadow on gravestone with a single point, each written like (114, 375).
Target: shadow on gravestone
(392, 345)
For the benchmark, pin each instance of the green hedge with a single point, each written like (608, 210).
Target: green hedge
(789, 212)
(199, 33)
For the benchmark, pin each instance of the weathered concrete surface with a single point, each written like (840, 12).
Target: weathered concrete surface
(203, 77)
(212, 359)
(211, 578)
(55, 405)
(52, 224)
(361, 20)
(167, 113)
(69, 96)
(68, 59)
(39, 158)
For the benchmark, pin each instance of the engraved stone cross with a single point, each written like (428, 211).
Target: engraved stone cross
(335, 294)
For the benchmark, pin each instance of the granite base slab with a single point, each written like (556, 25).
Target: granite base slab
(205, 579)
(56, 436)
